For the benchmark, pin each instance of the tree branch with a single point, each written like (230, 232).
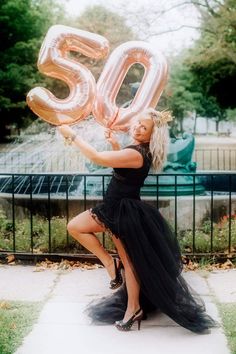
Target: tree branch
(162, 12)
(179, 28)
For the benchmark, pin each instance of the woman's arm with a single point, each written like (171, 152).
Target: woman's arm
(127, 158)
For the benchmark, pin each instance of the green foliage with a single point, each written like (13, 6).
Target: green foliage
(213, 58)
(60, 241)
(203, 237)
(182, 94)
(23, 26)
(231, 114)
(204, 80)
(40, 235)
(16, 320)
(228, 315)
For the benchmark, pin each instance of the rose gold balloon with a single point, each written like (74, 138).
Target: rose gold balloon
(105, 110)
(53, 61)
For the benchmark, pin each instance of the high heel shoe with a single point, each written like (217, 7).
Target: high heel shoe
(126, 326)
(118, 280)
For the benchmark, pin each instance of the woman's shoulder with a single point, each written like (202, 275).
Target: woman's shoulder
(142, 148)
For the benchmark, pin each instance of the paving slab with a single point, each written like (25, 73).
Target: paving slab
(24, 283)
(71, 338)
(198, 281)
(63, 327)
(223, 284)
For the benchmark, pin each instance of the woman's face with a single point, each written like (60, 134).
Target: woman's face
(142, 130)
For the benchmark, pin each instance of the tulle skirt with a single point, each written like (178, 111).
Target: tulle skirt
(155, 254)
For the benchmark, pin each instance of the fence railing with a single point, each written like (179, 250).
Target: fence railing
(207, 159)
(35, 209)
(215, 159)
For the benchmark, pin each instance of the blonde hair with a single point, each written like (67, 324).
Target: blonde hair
(159, 140)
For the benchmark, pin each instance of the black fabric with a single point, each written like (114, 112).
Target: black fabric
(154, 251)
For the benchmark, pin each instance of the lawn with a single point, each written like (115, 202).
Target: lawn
(16, 321)
(228, 315)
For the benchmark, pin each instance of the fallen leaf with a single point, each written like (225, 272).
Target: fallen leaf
(10, 258)
(65, 265)
(5, 305)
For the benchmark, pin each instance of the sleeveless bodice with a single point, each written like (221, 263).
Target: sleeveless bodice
(126, 182)
(135, 176)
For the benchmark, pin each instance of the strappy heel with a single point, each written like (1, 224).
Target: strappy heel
(126, 326)
(118, 280)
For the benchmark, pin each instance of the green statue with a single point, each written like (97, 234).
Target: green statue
(179, 161)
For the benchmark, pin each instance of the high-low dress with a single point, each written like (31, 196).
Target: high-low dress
(153, 249)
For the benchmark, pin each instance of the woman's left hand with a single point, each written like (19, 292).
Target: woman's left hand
(66, 131)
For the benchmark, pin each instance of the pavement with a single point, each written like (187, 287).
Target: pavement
(62, 327)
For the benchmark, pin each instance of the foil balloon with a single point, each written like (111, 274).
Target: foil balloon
(55, 62)
(105, 110)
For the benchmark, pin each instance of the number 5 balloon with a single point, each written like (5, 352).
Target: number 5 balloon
(54, 61)
(122, 58)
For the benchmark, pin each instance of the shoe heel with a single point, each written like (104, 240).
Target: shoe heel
(118, 280)
(126, 326)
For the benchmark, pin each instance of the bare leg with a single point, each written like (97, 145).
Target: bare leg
(82, 228)
(132, 283)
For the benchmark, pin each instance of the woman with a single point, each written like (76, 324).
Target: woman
(146, 245)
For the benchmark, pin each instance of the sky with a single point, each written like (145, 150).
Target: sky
(170, 43)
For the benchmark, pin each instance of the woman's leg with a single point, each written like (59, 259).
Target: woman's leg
(132, 282)
(82, 228)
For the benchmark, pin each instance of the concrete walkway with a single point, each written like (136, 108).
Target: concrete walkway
(63, 328)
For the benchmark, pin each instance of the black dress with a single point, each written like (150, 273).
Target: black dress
(153, 249)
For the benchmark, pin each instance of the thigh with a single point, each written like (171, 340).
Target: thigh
(85, 223)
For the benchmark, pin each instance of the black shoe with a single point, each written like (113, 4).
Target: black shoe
(118, 280)
(126, 326)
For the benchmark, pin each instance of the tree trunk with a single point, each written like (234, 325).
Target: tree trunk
(181, 126)
(195, 123)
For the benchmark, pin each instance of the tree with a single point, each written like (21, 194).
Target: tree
(23, 26)
(182, 94)
(185, 95)
(218, 32)
(213, 58)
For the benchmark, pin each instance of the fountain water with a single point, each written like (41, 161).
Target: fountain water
(41, 151)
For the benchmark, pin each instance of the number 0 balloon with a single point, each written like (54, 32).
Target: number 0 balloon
(123, 57)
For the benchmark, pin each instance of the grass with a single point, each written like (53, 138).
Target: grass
(228, 315)
(16, 321)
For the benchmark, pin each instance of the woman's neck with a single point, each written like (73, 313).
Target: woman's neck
(136, 142)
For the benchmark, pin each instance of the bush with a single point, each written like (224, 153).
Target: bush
(59, 240)
(220, 237)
